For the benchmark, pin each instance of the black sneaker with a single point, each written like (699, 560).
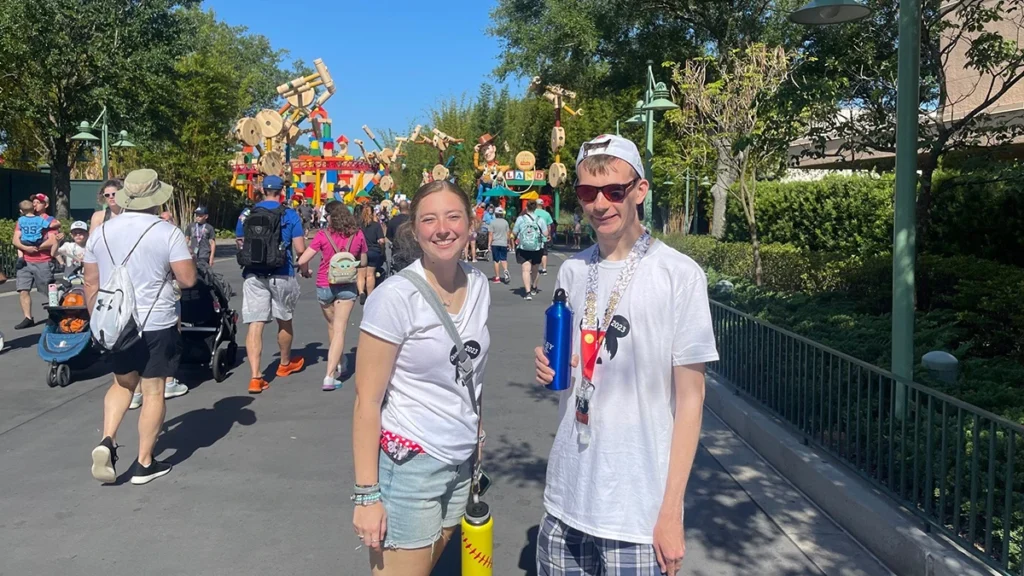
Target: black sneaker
(25, 323)
(535, 291)
(146, 474)
(104, 457)
(362, 298)
(543, 271)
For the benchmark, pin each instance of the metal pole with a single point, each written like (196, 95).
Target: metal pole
(617, 128)
(686, 211)
(904, 246)
(103, 146)
(649, 151)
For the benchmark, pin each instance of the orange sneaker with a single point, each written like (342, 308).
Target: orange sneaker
(292, 367)
(257, 385)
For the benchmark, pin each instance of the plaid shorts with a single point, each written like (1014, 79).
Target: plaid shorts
(565, 551)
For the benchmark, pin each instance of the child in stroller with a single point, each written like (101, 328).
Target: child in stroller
(208, 324)
(66, 339)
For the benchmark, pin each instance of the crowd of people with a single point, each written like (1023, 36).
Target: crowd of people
(417, 433)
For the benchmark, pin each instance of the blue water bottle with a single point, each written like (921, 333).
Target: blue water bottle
(558, 340)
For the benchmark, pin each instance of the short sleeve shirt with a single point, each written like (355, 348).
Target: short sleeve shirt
(614, 487)
(425, 402)
(200, 236)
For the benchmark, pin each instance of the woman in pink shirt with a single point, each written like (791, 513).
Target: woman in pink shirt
(336, 300)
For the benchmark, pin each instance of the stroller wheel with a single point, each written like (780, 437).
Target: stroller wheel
(63, 375)
(221, 363)
(51, 376)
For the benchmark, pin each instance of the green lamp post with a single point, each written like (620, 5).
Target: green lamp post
(657, 98)
(85, 134)
(904, 246)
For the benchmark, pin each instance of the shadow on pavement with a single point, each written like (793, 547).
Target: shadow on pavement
(528, 556)
(514, 463)
(203, 428)
(26, 341)
(536, 392)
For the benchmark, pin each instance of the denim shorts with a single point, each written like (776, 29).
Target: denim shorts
(328, 294)
(421, 496)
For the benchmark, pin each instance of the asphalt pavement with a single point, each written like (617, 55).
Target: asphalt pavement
(261, 484)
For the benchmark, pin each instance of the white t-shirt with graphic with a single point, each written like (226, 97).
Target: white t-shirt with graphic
(149, 265)
(613, 488)
(425, 402)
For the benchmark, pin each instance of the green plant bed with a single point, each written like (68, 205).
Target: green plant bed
(976, 311)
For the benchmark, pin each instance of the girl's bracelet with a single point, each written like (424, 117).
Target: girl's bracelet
(366, 499)
(361, 489)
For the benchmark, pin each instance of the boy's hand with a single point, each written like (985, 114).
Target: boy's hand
(545, 374)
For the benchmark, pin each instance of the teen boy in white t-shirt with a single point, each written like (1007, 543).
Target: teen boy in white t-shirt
(629, 425)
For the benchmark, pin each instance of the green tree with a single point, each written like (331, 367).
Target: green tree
(737, 107)
(229, 74)
(63, 60)
(979, 38)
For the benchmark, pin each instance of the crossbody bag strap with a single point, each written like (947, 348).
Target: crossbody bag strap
(465, 364)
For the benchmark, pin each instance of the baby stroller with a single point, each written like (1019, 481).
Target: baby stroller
(208, 324)
(66, 340)
(482, 252)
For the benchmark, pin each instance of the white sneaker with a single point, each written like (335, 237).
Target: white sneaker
(136, 401)
(173, 389)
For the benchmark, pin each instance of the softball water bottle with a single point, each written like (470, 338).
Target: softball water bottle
(558, 340)
(477, 540)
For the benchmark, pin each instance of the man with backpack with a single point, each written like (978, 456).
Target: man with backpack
(266, 236)
(531, 234)
(129, 265)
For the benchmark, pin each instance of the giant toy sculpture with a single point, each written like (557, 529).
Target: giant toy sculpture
(267, 138)
(556, 95)
(441, 142)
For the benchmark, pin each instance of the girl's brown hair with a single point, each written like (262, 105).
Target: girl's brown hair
(366, 216)
(339, 219)
(114, 183)
(439, 186)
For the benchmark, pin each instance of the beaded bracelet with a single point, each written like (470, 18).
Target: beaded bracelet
(360, 489)
(366, 499)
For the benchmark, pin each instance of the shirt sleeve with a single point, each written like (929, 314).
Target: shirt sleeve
(90, 247)
(239, 227)
(387, 315)
(211, 232)
(318, 241)
(178, 248)
(292, 225)
(693, 339)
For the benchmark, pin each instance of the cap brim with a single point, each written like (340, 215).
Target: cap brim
(159, 198)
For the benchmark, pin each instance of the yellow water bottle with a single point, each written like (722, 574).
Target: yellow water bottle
(477, 540)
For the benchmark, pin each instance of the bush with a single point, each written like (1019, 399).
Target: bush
(844, 302)
(979, 213)
(844, 214)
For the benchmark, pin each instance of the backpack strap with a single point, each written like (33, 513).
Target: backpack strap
(348, 245)
(103, 232)
(327, 234)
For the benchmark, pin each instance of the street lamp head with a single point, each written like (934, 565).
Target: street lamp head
(822, 12)
(122, 141)
(635, 120)
(639, 108)
(669, 182)
(84, 133)
(660, 101)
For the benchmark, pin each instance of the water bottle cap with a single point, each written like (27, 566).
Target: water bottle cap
(560, 296)
(477, 513)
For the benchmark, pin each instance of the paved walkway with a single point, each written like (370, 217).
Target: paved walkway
(261, 483)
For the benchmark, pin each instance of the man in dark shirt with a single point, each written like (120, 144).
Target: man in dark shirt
(401, 218)
(202, 239)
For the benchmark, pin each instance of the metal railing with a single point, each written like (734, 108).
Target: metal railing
(953, 464)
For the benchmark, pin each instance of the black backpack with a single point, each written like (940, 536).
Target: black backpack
(262, 247)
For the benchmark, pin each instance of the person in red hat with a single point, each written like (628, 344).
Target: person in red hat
(38, 271)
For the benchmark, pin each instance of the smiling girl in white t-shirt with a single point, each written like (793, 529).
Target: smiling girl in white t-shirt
(415, 428)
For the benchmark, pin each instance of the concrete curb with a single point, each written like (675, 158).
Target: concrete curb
(875, 520)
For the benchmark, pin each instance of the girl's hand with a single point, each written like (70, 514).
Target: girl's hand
(371, 523)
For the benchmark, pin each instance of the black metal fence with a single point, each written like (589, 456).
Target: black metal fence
(955, 465)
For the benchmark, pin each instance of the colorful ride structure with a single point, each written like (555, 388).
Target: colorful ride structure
(268, 137)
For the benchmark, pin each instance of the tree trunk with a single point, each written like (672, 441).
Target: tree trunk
(755, 244)
(725, 176)
(60, 176)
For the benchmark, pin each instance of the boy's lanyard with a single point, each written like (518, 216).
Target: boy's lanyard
(592, 338)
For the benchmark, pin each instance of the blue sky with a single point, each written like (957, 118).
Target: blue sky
(390, 59)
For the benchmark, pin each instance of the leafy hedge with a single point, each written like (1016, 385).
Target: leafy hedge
(848, 214)
(844, 301)
(977, 212)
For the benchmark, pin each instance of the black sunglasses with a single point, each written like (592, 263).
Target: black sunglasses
(615, 193)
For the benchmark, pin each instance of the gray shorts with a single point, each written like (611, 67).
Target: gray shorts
(38, 275)
(269, 297)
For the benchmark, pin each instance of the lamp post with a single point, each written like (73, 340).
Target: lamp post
(85, 135)
(904, 244)
(656, 98)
